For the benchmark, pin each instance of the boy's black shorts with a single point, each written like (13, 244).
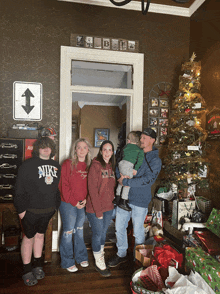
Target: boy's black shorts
(35, 223)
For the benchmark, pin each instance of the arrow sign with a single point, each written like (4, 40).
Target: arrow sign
(28, 94)
(24, 106)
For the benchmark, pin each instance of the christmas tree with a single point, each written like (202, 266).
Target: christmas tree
(184, 166)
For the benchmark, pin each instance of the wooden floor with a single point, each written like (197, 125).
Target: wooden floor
(58, 280)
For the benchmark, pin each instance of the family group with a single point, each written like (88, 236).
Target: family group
(100, 189)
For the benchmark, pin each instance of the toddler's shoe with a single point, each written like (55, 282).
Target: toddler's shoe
(123, 204)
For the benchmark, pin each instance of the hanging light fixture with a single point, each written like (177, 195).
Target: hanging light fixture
(181, 1)
(124, 2)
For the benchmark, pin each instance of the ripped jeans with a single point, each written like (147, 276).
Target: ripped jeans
(72, 246)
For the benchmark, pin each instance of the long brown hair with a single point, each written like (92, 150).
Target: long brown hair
(100, 157)
(73, 154)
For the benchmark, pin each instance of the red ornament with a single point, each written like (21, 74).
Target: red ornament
(187, 110)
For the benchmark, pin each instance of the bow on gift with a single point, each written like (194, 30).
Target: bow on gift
(164, 93)
(165, 254)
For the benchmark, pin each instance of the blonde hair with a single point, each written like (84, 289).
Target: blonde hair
(133, 137)
(73, 154)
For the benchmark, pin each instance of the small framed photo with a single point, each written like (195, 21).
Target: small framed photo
(155, 130)
(123, 45)
(89, 42)
(164, 112)
(100, 136)
(157, 141)
(154, 102)
(154, 112)
(105, 43)
(80, 41)
(153, 121)
(163, 122)
(97, 43)
(162, 140)
(164, 103)
(131, 45)
(163, 131)
(115, 44)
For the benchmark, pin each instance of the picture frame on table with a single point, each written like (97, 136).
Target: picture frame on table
(100, 135)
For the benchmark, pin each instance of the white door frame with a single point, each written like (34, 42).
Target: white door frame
(134, 105)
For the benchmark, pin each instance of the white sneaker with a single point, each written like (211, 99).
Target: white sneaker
(72, 269)
(84, 263)
(100, 262)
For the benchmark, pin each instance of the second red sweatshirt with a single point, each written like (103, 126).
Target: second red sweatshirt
(101, 183)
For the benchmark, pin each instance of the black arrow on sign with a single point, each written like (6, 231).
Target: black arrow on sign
(28, 94)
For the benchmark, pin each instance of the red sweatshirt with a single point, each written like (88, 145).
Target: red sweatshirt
(73, 183)
(101, 183)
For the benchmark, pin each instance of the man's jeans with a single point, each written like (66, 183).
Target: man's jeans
(99, 229)
(72, 222)
(138, 215)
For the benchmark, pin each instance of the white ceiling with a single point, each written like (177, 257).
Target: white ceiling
(156, 6)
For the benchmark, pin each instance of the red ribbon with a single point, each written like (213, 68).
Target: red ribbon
(164, 93)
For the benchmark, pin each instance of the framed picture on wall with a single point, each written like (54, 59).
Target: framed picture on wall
(100, 136)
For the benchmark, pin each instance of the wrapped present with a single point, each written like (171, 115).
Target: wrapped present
(191, 241)
(209, 241)
(213, 222)
(203, 263)
(205, 205)
(182, 209)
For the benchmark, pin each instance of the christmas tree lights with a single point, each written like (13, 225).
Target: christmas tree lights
(184, 165)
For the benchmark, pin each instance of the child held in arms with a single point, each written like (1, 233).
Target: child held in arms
(132, 159)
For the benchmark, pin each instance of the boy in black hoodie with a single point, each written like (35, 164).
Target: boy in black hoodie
(36, 200)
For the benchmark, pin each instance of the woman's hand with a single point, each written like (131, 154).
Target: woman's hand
(21, 215)
(81, 204)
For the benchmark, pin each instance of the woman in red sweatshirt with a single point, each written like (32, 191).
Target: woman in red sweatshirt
(99, 207)
(73, 189)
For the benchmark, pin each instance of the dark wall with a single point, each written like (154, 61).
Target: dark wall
(31, 33)
(205, 42)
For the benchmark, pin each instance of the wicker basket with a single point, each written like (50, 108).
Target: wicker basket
(137, 289)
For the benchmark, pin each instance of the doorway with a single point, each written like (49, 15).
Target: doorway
(134, 95)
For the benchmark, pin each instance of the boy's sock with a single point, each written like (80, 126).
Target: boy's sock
(27, 268)
(38, 262)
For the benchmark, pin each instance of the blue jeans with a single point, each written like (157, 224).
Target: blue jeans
(138, 215)
(99, 229)
(72, 221)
